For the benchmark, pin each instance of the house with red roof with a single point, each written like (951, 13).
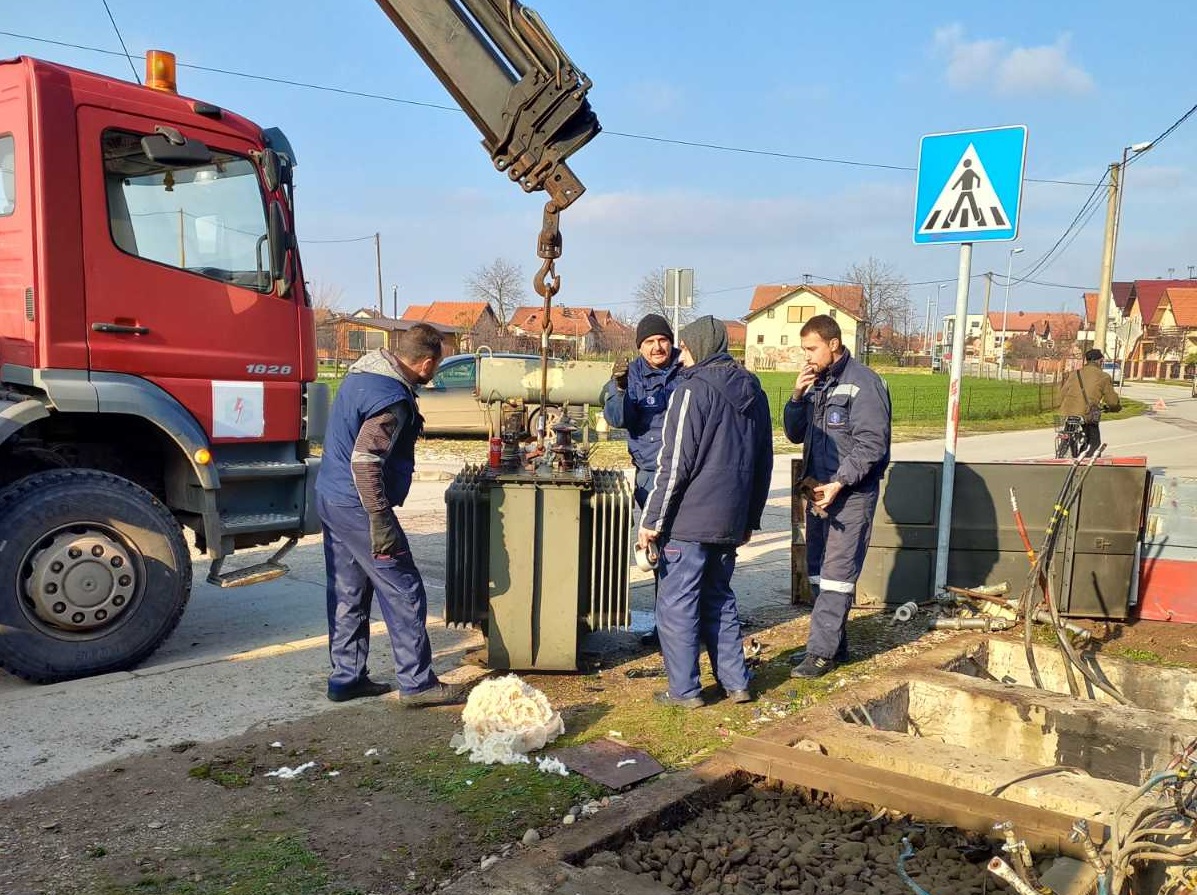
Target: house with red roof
(776, 315)
(574, 332)
(1169, 336)
(475, 321)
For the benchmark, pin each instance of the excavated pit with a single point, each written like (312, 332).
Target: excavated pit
(1172, 691)
(767, 840)
(960, 740)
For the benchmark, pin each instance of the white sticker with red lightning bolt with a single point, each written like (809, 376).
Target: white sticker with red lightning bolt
(238, 409)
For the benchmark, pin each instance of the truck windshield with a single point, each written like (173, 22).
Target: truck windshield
(206, 219)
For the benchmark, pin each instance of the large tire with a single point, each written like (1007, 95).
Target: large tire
(94, 574)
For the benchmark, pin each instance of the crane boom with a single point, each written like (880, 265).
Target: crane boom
(511, 77)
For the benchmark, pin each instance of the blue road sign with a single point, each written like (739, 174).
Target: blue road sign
(969, 185)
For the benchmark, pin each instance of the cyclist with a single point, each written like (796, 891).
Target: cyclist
(1082, 396)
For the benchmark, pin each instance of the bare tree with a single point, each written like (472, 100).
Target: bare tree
(326, 301)
(650, 298)
(886, 296)
(502, 284)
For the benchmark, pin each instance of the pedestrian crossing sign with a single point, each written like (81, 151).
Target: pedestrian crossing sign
(969, 185)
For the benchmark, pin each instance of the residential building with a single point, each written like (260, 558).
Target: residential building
(1169, 337)
(973, 327)
(776, 315)
(574, 331)
(475, 321)
(355, 334)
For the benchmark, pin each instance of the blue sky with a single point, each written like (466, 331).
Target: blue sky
(855, 81)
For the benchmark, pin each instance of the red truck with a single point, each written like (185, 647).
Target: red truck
(157, 346)
(157, 361)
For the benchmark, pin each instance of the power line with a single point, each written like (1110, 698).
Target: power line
(694, 144)
(827, 160)
(136, 76)
(330, 241)
(1088, 210)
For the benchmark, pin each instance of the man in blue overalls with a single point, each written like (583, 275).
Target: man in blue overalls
(369, 458)
(707, 498)
(636, 399)
(840, 413)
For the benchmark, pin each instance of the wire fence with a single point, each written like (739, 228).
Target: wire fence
(927, 399)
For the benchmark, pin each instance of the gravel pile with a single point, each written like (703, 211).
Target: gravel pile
(768, 841)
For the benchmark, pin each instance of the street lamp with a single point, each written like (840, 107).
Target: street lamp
(1006, 308)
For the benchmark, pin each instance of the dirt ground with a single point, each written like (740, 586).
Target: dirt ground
(387, 807)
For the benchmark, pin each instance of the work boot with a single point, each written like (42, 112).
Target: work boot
(357, 690)
(437, 694)
(667, 698)
(651, 639)
(841, 654)
(740, 696)
(813, 667)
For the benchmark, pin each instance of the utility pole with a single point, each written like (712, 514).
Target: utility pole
(395, 300)
(927, 330)
(378, 262)
(1107, 261)
(985, 321)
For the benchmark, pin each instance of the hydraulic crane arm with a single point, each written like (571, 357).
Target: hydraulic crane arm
(507, 71)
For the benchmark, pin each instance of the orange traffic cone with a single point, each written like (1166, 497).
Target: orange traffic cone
(1159, 405)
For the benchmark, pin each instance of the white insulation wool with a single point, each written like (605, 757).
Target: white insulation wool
(504, 718)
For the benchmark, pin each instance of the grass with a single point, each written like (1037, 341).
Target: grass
(920, 397)
(253, 862)
(501, 800)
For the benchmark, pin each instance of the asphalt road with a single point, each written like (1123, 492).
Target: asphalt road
(256, 657)
(1164, 437)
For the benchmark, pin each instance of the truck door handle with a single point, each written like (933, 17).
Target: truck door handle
(120, 328)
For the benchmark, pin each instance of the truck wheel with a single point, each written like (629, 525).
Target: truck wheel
(94, 574)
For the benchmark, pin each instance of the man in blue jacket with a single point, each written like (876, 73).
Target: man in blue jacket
(636, 398)
(707, 498)
(840, 413)
(369, 458)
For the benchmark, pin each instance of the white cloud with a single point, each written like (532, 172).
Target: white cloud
(1009, 70)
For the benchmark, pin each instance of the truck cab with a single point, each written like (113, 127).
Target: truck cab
(157, 360)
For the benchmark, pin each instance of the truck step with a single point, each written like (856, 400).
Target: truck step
(255, 574)
(259, 469)
(235, 523)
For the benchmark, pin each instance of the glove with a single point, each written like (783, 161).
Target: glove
(620, 374)
(385, 540)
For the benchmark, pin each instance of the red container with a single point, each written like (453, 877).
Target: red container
(495, 455)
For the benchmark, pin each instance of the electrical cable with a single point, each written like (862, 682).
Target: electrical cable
(119, 37)
(1038, 772)
(697, 144)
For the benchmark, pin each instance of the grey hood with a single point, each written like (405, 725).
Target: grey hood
(380, 361)
(704, 338)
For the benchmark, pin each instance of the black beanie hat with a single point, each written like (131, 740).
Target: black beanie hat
(653, 325)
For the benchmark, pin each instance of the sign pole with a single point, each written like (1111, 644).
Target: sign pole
(952, 427)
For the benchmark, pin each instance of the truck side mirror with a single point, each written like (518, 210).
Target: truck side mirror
(271, 169)
(280, 243)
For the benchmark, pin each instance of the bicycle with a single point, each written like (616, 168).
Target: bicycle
(1070, 437)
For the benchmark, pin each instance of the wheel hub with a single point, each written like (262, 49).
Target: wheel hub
(81, 581)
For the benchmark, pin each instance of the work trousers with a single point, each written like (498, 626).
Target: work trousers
(696, 608)
(354, 578)
(835, 554)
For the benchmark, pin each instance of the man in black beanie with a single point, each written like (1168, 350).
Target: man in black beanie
(707, 498)
(635, 399)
